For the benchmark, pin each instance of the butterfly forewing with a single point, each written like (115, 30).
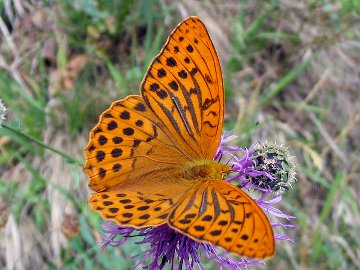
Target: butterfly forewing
(184, 89)
(224, 215)
(127, 146)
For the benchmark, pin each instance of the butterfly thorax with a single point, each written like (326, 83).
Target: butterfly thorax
(205, 169)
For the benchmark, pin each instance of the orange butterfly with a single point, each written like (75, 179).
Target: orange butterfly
(150, 157)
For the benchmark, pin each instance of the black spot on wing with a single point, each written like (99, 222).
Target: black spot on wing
(140, 107)
(100, 155)
(112, 125)
(189, 48)
(102, 140)
(210, 124)
(125, 115)
(102, 172)
(173, 85)
(117, 140)
(116, 167)
(116, 152)
(97, 131)
(207, 218)
(171, 62)
(161, 73)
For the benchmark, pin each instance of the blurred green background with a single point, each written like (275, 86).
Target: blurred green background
(292, 75)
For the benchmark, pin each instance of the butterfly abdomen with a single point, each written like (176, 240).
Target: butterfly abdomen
(204, 169)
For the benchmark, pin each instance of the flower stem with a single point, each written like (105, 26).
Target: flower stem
(28, 137)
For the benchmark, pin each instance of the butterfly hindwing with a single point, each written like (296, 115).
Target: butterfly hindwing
(137, 207)
(130, 208)
(222, 214)
(184, 89)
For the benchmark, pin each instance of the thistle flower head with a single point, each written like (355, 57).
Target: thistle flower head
(169, 247)
(276, 160)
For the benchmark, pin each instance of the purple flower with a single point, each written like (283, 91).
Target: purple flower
(254, 171)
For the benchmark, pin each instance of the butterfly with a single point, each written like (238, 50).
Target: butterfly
(150, 157)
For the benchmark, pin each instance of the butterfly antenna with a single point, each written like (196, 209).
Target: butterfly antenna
(232, 167)
(227, 163)
(257, 123)
(220, 158)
